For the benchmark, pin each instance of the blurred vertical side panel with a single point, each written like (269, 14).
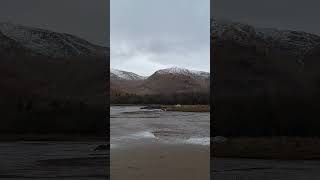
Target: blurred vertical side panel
(265, 57)
(54, 98)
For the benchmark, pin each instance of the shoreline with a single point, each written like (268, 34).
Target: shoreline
(177, 108)
(268, 148)
(188, 108)
(227, 169)
(12, 137)
(57, 160)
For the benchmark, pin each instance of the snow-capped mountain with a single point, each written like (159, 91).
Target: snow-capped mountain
(9, 47)
(251, 61)
(44, 66)
(48, 43)
(297, 43)
(116, 74)
(183, 71)
(164, 81)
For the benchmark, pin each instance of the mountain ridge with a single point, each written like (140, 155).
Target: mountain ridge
(117, 74)
(297, 43)
(267, 81)
(41, 42)
(164, 81)
(127, 75)
(51, 83)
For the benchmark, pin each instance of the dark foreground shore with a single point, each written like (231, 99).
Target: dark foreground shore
(262, 169)
(280, 148)
(43, 160)
(161, 161)
(267, 158)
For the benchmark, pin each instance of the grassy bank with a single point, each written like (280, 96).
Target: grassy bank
(283, 148)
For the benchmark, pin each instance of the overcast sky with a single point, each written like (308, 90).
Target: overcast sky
(284, 14)
(148, 35)
(87, 19)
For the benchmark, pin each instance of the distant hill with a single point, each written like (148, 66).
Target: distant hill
(266, 80)
(257, 61)
(40, 42)
(164, 82)
(51, 82)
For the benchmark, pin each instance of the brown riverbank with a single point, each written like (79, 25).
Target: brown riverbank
(283, 148)
(161, 161)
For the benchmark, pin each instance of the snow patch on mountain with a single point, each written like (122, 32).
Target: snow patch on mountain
(117, 74)
(125, 75)
(185, 72)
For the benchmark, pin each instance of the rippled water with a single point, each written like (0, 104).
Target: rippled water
(131, 125)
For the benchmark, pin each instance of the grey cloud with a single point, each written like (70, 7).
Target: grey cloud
(162, 33)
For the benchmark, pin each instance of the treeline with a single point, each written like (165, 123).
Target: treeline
(170, 99)
(42, 95)
(266, 116)
(263, 93)
(38, 116)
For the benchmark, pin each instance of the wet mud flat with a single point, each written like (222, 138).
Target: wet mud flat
(155, 144)
(159, 161)
(53, 160)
